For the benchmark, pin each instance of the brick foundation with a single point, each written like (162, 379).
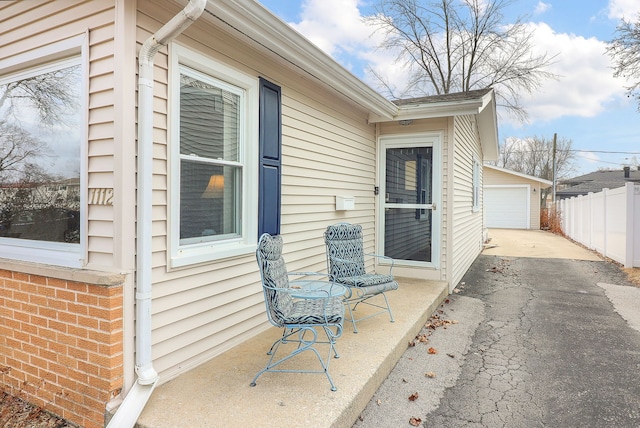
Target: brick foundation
(61, 343)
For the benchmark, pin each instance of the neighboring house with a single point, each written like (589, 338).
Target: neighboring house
(243, 127)
(596, 181)
(512, 199)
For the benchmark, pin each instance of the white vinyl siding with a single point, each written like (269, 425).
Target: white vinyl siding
(328, 149)
(466, 223)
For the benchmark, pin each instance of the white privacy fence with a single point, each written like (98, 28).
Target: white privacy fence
(607, 222)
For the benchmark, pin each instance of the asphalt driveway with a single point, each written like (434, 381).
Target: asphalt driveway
(539, 333)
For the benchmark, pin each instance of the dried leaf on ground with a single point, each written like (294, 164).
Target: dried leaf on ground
(430, 374)
(415, 421)
(413, 397)
(436, 322)
(422, 338)
(432, 350)
(15, 412)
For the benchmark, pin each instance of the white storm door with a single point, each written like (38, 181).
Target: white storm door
(411, 220)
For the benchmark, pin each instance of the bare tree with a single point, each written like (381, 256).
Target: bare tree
(17, 148)
(535, 156)
(624, 50)
(45, 99)
(461, 45)
(48, 94)
(33, 111)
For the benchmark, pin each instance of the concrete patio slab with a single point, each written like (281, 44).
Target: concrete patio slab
(534, 243)
(217, 394)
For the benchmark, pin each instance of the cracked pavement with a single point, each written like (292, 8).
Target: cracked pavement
(536, 343)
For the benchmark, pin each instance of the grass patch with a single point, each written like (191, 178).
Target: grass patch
(633, 274)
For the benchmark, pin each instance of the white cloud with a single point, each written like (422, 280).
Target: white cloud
(335, 26)
(588, 157)
(348, 40)
(586, 82)
(541, 8)
(584, 89)
(627, 9)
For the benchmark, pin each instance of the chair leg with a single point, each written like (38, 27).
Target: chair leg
(388, 307)
(364, 300)
(331, 336)
(286, 333)
(353, 320)
(303, 345)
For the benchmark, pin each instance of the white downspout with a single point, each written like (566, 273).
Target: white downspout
(133, 404)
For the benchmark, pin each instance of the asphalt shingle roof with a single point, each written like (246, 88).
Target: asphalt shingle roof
(598, 180)
(453, 97)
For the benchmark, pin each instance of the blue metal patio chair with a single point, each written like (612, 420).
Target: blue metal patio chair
(346, 265)
(301, 307)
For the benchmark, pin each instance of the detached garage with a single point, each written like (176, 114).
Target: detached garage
(511, 199)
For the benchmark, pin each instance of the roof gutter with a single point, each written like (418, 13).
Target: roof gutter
(135, 400)
(268, 33)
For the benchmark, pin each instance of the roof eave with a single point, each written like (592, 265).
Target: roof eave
(519, 174)
(483, 107)
(268, 33)
(488, 127)
(433, 110)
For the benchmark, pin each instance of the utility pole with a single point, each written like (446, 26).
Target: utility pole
(555, 136)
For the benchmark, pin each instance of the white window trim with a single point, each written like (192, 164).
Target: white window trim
(55, 253)
(475, 188)
(185, 255)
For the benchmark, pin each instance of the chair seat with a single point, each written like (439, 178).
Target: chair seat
(366, 280)
(315, 312)
(371, 290)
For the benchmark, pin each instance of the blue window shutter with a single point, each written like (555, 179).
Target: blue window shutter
(270, 159)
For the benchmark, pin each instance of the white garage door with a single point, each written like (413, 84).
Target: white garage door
(507, 207)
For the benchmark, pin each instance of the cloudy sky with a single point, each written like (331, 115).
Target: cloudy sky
(586, 105)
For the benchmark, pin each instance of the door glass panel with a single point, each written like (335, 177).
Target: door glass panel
(409, 175)
(409, 181)
(407, 238)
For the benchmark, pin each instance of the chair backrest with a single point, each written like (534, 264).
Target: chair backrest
(273, 273)
(345, 250)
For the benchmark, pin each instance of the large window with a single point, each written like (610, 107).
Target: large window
(41, 141)
(210, 164)
(214, 185)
